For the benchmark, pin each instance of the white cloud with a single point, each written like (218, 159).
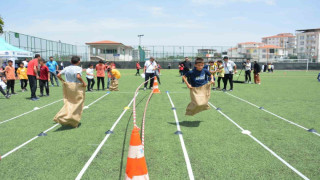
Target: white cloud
(155, 11)
(218, 3)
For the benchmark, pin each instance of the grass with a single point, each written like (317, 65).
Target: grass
(216, 147)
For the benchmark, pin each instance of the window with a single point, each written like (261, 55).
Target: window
(301, 42)
(264, 50)
(301, 49)
(301, 37)
(255, 51)
(264, 56)
(109, 51)
(271, 50)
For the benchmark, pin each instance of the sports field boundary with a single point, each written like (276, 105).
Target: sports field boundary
(88, 163)
(183, 146)
(246, 132)
(261, 108)
(32, 139)
(35, 109)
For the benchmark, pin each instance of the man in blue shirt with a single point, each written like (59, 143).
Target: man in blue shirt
(199, 76)
(53, 68)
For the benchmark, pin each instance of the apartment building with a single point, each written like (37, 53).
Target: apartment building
(287, 41)
(308, 42)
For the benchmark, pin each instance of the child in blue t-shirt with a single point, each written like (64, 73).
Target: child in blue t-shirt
(198, 76)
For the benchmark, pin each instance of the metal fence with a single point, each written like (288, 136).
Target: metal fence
(177, 53)
(59, 50)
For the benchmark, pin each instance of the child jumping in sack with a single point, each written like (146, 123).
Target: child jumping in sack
(73, 93)
(199, 88)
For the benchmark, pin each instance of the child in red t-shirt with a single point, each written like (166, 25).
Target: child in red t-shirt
(44, 77)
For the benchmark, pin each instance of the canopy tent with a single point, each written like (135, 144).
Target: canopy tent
(7, 51)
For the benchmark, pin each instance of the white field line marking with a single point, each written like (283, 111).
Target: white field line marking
(85, 167)
(264, 146)
(98, 99)
(27, 142)
(273, 114)
(185, 153)
(29, 112)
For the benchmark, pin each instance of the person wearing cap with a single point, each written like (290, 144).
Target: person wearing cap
(230, 68)
(53, 68)
(149, 69)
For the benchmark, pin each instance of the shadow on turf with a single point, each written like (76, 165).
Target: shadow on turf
(187, 123)
(63, 128)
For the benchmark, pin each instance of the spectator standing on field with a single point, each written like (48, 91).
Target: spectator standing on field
(61, 64)
(229, 67)
(256, 72)
(248, 69)
(220, 72)
(25, 62)
(10, 75)
(181, 69)
(22, 75)
(90, 77)
(32, 72)
(187, 66)
(169, 65)
(138, 67)
(53, 68)
(100, 68)
(44, 78)
(149, 69)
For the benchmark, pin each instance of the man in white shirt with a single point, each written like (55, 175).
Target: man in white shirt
(248, 69)
(229, 67)
(149, 69)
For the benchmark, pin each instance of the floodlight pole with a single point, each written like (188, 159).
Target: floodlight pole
(140, 36)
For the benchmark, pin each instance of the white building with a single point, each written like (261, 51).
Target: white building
(287, 41)
(308, 42)
(257, 51)
(109, 51)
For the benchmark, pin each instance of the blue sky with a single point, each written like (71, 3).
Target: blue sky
(165, 22)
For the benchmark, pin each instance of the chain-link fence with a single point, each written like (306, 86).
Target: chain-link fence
(46, 48)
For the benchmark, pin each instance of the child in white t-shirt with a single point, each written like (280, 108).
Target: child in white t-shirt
(90, 77)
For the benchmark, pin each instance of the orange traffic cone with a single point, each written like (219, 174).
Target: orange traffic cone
(136, 163)
(155, 85)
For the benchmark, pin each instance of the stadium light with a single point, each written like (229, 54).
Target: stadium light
(140, 35)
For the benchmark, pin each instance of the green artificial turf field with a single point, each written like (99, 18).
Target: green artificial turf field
(216, 147)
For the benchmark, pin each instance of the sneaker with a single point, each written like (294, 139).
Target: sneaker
(230, 90)
(14, 93)
(41, 95)
(34, 99)
(37, 98)
(144, 88)
(224, 89)
(7, 96)
(46, 95)
(22, 90)
(52, 85)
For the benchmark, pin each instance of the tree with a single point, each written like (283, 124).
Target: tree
(1, 25)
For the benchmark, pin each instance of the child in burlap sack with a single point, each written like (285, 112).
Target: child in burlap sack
(115, 76)
(73, 95)
(199, 87)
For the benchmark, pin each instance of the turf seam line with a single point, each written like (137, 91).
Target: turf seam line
(29, 112)
(290, 122)
(86, 166)
(264, 146)
(184, 149)
(98, 99)
(30, 140)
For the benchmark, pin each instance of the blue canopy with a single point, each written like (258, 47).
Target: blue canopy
(7, 50)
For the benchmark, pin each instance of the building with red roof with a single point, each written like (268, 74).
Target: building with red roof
(109, 51)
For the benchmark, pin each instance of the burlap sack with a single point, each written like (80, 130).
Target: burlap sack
(199, 99)
(114, 85)
(71, 112)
